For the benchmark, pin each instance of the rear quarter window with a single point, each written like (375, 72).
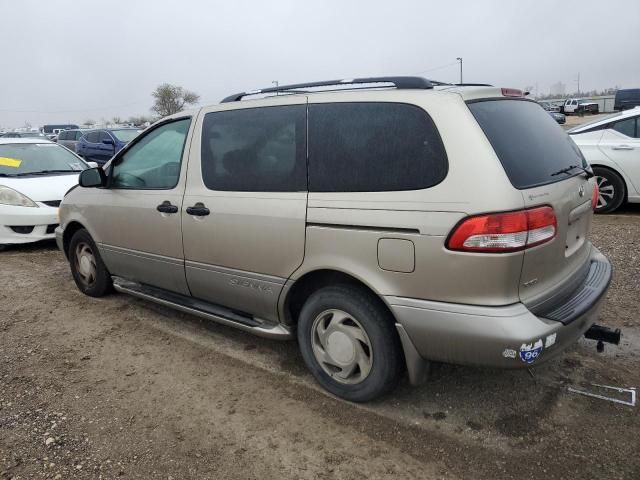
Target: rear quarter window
(371, 147)
(531, 146)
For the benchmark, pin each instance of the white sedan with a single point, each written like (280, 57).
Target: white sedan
(612, 146)
(34, 176)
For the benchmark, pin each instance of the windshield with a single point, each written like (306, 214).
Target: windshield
(17, 159)
(125, 135)
(531, 146)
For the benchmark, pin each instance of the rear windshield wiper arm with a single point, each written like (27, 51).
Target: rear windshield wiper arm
(587, 172)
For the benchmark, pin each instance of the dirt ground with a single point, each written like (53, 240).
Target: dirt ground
(120, 388)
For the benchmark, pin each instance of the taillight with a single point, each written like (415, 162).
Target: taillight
(596, 194)
(504, 232)
(512, 92)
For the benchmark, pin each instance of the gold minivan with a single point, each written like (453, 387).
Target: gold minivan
(384, 222)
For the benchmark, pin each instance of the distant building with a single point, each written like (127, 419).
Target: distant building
(558, 89)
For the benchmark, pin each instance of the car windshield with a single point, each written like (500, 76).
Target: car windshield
(125, 135)
(19, 159)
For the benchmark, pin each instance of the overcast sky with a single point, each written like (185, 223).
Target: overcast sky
(72, 61)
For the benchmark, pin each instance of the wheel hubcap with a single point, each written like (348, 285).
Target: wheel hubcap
(606, 192)
(86, 264)
(341, 346)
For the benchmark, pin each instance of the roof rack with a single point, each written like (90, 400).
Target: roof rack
(402, 83)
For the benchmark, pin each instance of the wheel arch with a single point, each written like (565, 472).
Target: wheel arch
(297, 291)
(71, 228)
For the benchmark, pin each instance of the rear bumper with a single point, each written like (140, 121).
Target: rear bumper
(507, 337)
(31, 224)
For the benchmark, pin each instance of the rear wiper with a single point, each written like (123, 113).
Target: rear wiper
(588, 173)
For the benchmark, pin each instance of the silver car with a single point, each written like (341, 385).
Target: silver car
(70, 138)
(387, 224)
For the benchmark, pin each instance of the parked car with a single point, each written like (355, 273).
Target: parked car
(57, 128)
(100, 145)
(358, 221)
(627, 98)
(612, 146)
(558, 117)
(34, 176)
(579, 106)
(24, 135)
(550, 107)
(70, 138)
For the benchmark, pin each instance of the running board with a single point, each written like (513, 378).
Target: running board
(202, 309)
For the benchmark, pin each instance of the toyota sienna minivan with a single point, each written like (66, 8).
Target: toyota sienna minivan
(383, 222)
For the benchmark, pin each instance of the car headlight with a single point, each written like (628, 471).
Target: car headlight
(9, 196)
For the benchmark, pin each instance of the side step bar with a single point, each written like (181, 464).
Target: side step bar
(202, 309)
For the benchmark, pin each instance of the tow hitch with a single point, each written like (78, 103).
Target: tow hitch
(603, 334)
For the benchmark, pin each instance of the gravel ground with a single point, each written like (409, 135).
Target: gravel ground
(120, 388)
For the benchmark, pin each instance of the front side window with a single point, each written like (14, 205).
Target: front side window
(154, 161)
(104, 136)
(255, 150)
(626, 127)
(369, 147)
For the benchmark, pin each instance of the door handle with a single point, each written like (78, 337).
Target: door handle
(166, 207)
(198, 210)
(622, 147)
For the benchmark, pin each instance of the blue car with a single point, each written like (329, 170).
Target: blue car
(100, 145)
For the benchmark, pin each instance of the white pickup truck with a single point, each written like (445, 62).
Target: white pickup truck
(579, 106)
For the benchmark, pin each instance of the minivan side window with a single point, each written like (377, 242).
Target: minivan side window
(153, 162)
(255, 149)
(373, 147)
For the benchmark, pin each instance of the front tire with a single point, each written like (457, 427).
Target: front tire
(611, 190)
(349, 343)
(88, 270)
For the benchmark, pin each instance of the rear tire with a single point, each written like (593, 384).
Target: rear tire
(612, 190)
(349, 343)
(88, 270)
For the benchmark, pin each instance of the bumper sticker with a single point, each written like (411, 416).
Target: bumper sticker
(530, 352)
(10, 162)
(509, 353)
(551, 339)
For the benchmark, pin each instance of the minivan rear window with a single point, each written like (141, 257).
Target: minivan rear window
(531, 146)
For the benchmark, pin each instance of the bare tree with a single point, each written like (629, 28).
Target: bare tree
(88, 122)
(170, 99)
(116, 120)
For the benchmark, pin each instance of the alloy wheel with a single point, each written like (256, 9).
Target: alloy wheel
(606, 192)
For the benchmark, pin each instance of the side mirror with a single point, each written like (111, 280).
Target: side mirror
(108, 141)
(92, 177)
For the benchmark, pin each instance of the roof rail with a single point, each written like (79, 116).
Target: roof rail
(473, 85)
(403, 83)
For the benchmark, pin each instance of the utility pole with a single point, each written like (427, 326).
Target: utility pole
(578, 83)
(460, 60)
(275, 83)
